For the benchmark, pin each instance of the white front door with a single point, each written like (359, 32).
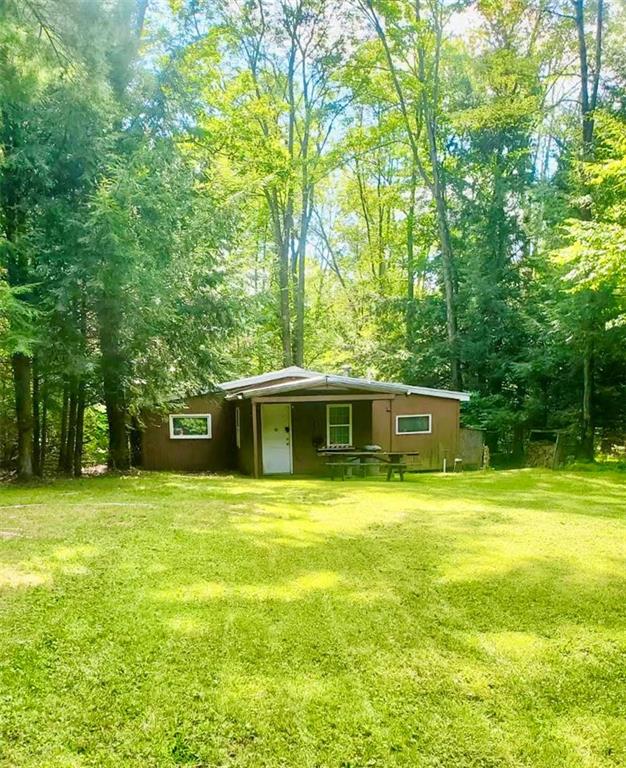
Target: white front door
(276, 432)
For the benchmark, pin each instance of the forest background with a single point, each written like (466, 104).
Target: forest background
(426, 191)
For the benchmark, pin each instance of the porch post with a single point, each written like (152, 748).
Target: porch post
(255, 440)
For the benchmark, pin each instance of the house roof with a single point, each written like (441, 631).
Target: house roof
(293, 372)
(294, 378)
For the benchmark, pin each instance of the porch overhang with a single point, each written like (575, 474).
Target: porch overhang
(331, 397)
(324, 387)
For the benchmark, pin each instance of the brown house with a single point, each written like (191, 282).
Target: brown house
(282, 422)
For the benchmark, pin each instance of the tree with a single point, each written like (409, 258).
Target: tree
(32, 60)
(589, 87)
(152, 244)
(412, 38)
(592, 262)
(274, 113)
(92, 230)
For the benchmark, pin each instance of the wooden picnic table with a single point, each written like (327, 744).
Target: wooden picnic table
(344, 459)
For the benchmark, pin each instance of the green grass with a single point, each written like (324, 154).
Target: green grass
(162, 620)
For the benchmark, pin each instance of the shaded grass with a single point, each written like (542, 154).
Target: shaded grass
(163, 620)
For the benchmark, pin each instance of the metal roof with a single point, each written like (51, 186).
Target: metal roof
(292, 371)
(245, 388)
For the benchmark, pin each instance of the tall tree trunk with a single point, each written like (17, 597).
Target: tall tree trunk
(71, 428)
(363, 201)
(135, 442)
(63, 428)
(281, 231)
(113, 365)
(6, 441)
(24, 411)
(410, 264)
(428, 104)
(77, 459)
(43, 448)
(518, 442)
(108, 310)
(36, 419)
(281, 217)
(76, 463)
(288, 217)
(119, 454)
(11, 204)
(380, 230)
(441, 207)
(589, 80)
(447, 260)
(589, 84)
(298, 350)
(303, 235)
(587, 429)
(284, 300)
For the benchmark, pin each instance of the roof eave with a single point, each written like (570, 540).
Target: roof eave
(400, 388)
(248, 381)
(449, 394)
(286, 386)
(345, 381)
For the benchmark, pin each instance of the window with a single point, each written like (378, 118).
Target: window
(238, 426)
(414, 424)
(190, 426)
(339, 425)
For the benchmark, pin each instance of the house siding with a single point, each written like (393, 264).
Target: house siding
(245, 454)
(309, 428)
(373, 421)
(160, 451)
(443, 441)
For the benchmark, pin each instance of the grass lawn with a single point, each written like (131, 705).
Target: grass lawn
(162, 620)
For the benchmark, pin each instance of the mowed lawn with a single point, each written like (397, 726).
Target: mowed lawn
(163, 619)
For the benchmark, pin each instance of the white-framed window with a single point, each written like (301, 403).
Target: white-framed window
(339, 425)
(190, 426)
(414, 424)
(238, 426)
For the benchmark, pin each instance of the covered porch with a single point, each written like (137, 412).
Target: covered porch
(289, 427)
(292, 433)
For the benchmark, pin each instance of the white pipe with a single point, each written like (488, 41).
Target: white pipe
(445, 465)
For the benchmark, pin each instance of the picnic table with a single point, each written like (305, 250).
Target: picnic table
(342, 461)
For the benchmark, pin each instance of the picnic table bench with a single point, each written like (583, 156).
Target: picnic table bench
(342, 462)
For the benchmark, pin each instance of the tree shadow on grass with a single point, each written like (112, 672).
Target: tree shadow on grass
(545, 491)
(502, 665)
(400, 634)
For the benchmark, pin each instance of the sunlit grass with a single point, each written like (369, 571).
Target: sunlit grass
(163, 620)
